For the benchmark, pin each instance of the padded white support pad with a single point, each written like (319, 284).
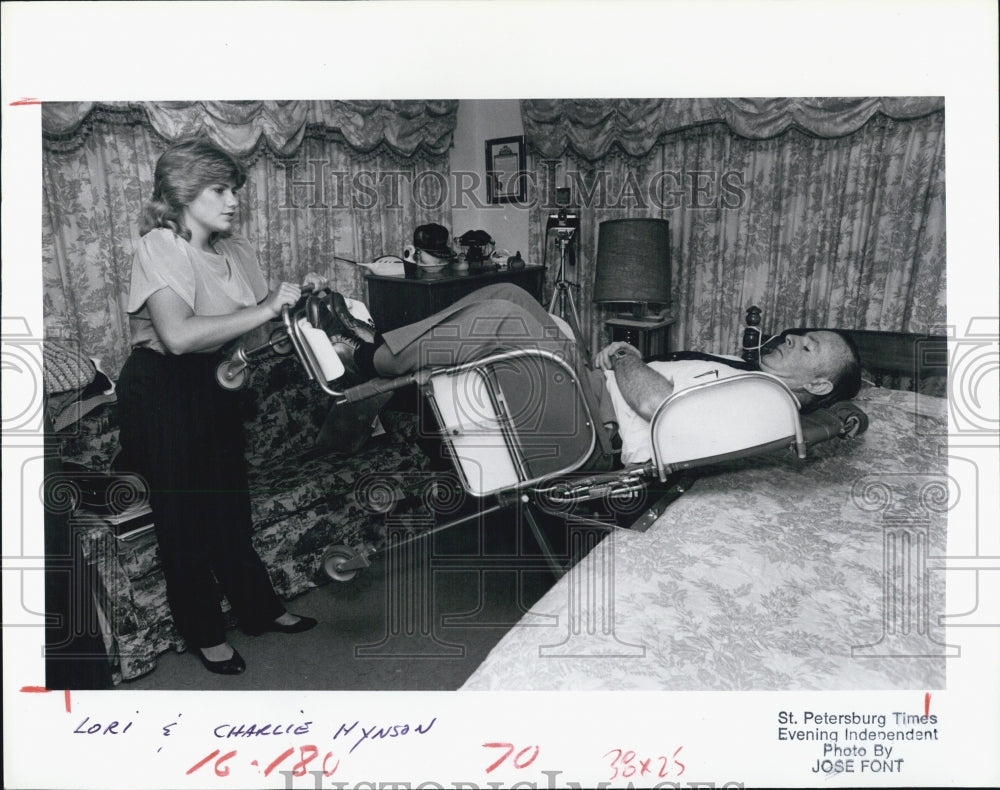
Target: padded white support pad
(330, 365)
(471, 425)
(725, 416)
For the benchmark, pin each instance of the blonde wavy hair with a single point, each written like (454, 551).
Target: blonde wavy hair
(182, 172)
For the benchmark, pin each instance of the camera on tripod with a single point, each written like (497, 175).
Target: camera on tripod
(565, 222)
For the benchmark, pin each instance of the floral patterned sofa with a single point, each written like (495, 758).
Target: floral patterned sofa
(304, 500)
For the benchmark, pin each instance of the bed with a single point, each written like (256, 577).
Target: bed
(769, 572)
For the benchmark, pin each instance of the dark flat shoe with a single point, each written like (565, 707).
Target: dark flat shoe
(234, 665)
(320, 314)
(362, 330)
(302, 624)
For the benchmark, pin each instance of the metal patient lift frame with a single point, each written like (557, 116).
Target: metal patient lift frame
(517, 427)
(510, 421)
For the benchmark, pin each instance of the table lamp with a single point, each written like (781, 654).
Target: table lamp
(632, 277)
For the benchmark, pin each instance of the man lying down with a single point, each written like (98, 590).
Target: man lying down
(820, 367)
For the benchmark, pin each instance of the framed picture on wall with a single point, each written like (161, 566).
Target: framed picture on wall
(506, 163)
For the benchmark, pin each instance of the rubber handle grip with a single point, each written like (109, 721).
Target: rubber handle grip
(375, 387)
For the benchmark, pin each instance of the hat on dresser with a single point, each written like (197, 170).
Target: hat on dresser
(433, 238)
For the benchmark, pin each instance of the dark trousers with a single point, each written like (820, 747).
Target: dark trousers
(497, 317)
(182, 432)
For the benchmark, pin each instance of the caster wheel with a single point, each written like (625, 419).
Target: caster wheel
(231, 375)
(332, 561)
(280, 342)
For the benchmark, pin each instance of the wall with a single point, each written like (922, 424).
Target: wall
(478, 121)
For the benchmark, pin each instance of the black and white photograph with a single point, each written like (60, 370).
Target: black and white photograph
(327, 438)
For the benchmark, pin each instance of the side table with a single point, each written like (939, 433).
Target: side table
(650, 337)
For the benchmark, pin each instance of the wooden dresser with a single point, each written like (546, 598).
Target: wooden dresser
(398, 301)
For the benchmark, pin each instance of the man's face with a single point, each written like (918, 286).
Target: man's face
(808, 362)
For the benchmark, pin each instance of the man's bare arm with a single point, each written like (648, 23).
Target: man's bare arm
(642, 387)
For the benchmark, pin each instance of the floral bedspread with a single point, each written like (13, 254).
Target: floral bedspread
(771, 573)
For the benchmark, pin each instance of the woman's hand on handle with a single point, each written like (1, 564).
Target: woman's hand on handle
(284, 294)
(316, 281)
(183, 332)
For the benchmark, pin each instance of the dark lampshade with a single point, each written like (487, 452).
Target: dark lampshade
(633, 261)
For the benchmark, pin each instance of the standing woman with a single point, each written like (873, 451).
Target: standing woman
(194, 289)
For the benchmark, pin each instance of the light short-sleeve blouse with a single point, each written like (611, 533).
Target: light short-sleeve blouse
(210, 283)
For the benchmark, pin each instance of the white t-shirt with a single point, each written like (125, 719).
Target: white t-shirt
(633, 429)
(217, 283)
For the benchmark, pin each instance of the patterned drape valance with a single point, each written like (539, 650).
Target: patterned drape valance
(405, 128)
(593, 128)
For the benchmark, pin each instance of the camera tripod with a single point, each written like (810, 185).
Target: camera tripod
(563, 291)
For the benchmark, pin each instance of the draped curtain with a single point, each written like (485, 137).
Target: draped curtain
(823, 212)
(329, 183)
